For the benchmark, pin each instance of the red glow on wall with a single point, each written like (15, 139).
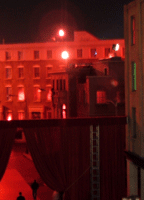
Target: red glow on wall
(114, 83)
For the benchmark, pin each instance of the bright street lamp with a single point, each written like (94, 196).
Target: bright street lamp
(61, 33)
(65, 55)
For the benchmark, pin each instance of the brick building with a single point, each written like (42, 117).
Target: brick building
(134, 90)
(28, 72)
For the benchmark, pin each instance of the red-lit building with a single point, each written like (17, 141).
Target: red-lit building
(134, 92)
(28, 72)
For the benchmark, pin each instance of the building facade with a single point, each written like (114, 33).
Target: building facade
(134, 90)
(34, 78)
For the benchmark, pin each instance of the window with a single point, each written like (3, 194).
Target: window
(79, 53)
(133, 36)
(9, 115)
(20, 72)
(63, 111)
(101, 97)
(20, 55)
(64, 84)
(57, 81)
(93, 53)
(21, 93)
(8, 55)
(134, 122)
(49, 93)
(37, 93)
(107, 51)
(60, 82)
(53, 84)
(36, 54)
(49, 54)
(21, 115)
(36, 72)
(8, 93)
(48, 68)
(36, 115)
(133, 76)
(8, 72)
(105, 72)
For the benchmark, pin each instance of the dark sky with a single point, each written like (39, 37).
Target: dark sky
(39, 20)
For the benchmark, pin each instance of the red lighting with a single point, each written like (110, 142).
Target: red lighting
(114, 83)
(9, 117)
(61, 33)
(65, 55)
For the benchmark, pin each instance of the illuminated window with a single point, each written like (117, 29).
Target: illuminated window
(133, 32)
(8, 55)
(64, 111)
(8, 72)
(107, 51)
(79, 53)
(36, 54)
(21, 115)
(37, 93)
(133, 76)
(9, 115)
(134, 122)
(93, 53)
(49, 93)
(20, 55)
(21, 93)
(101, 97)
(49, 54)
(8, 93)
(36, 72)
(20, 72)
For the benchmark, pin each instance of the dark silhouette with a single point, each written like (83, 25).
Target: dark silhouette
(20, 197)
(35, 187)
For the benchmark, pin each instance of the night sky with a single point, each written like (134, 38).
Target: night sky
(23, 21)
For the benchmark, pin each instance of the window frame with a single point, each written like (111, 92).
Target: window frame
(79, 53)
(18, 88)
(6, 72)
(36, 55)
(49, 54)
(34, 72)
(134, 81)
(101, 99)
(8, 94)
(35, 95)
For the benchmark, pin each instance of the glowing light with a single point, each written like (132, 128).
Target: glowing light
(116, 47)
(65, 55)
(114, 83)
(64, 114)
(9, 117)
(61, 33)
(21, 96)
(64, 106)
